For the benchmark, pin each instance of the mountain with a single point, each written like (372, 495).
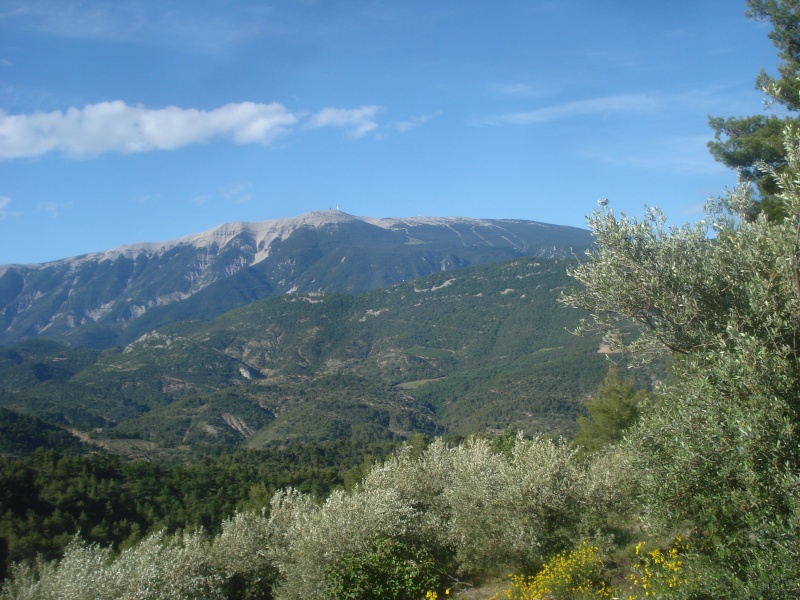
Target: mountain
(472, 350)
(111, 298)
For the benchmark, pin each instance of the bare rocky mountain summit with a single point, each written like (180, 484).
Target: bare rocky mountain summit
(109, 298)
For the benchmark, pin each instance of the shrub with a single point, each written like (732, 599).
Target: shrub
(242, 555)
(660, 573)
(492, 510)
(568, 575)
(719, 451)
(308, 538)
(154, 569)
(391, 570)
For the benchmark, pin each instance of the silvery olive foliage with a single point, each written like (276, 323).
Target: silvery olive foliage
(244, 557)
(156, 568)
(718, 451)
(485, 510)
(310, 538)
(471, 508)
(237, 563)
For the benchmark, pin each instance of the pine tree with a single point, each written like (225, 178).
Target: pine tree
(613, 409)
(749, 144)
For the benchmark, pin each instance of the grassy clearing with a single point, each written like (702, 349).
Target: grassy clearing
(423, 352)
(413, 385)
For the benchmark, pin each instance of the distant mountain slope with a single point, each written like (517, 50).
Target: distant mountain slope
(111, 298)
(457, 352)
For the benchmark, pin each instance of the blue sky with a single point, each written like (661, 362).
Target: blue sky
(127, 121)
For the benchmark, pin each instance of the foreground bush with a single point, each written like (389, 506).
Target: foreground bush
(651, 571)
(233, 565)
(391, 570)
(568, 575)
(414, 520)
(153, 569)
(472, 509)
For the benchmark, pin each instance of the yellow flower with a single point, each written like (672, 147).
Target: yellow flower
(579, 571)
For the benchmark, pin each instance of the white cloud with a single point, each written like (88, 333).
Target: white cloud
(5, 213)
(414, 122)
(359, 121)
(118, 127)
(606, 104)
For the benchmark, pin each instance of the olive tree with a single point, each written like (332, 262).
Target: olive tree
(718, 451)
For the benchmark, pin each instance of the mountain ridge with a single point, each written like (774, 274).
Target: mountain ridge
(270, 230)
(101, 299)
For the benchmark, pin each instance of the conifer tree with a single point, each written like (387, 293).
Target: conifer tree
(613, 409)
(747, 143)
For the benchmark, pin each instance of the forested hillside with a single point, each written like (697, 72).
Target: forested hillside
(459, 352)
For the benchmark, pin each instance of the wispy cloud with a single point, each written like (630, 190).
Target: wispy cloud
(238, 192)
(359, 121)
(593, 106)
(53, 208)
(206, 27)
(676, 154)
(709, 100)
(5, 212)
(519, 89)
(120, 128)
(693, 209)
(147, 198)
(413, 122)
(125, 21)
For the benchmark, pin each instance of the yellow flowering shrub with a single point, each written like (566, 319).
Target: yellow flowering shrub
(576, 574)
(657, 573)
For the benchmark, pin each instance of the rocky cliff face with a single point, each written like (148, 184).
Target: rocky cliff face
(109, 298)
